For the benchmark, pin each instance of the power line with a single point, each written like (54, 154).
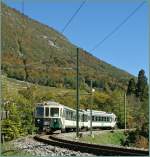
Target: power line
(118, 26)
(22, 6)
(73, 16)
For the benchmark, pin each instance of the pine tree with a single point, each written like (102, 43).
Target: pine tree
(141, 86)
(131, 87)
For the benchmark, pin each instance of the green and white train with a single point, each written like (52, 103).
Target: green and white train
(51, 116)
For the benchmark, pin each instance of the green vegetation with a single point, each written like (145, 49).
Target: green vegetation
(140, 89)
(21, 98)
(137, 138)
(114, 138)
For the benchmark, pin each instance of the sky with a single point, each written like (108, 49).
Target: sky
(127, 48)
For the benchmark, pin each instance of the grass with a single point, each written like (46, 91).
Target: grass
(113, 138)
(13, 86)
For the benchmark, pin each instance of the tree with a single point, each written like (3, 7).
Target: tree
(131, 87)
(141, 86)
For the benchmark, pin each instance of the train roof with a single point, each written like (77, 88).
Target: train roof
(96, 112)
(49, 103)
(53, 103)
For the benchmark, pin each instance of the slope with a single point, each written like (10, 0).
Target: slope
(29, 52)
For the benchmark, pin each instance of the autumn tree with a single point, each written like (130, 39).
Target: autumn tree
(131, 87)
(141, 86)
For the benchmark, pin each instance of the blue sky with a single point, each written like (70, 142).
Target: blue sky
(126, 49)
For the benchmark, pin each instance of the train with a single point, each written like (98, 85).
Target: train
(51, 116)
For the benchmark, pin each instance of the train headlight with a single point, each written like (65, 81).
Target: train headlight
(38, 120)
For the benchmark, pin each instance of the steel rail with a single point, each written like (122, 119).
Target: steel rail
(91, 148)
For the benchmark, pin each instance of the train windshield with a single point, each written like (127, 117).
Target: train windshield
(39, 111)
(54, 112)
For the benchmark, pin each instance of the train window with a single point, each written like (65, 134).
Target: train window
(74, 116)
(47, 111)
(92, 118)
(54, 112)
(103, 119)
(64, 113)
(100, 119)
(107, 119)
(96, 118)
(39, 111)
(110, 119)
(85, 118)
(71, 115)
(67, 115)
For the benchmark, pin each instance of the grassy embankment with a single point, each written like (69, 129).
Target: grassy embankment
(113, 138)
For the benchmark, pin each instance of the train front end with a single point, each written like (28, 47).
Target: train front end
(48, 118)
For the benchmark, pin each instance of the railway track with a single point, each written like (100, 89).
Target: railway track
(90, 148)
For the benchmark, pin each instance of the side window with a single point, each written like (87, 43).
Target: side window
(107, 119)
(74, 116)
(47, 112)
(67, 115)
(110, 119)
(96, 118)
(64, 113)
(85, 118)
(61, 112)
(92, 118)
(100, 118)
(71, 115)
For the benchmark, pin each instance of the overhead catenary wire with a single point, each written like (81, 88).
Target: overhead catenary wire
(72, 17)
(118, 26)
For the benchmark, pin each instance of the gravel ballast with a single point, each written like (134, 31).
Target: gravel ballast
(29, 145)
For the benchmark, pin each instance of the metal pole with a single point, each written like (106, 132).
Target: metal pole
(125, 111)
(77, 110)
(91, 108)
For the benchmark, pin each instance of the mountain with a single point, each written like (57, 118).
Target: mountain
(37, 53)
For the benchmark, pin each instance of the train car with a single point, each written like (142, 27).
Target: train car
(47, 116)
(101, 119)
(50, 116)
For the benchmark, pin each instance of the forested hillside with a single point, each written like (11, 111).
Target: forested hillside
(37, 53)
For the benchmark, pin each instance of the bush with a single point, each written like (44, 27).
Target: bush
(11, 129)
